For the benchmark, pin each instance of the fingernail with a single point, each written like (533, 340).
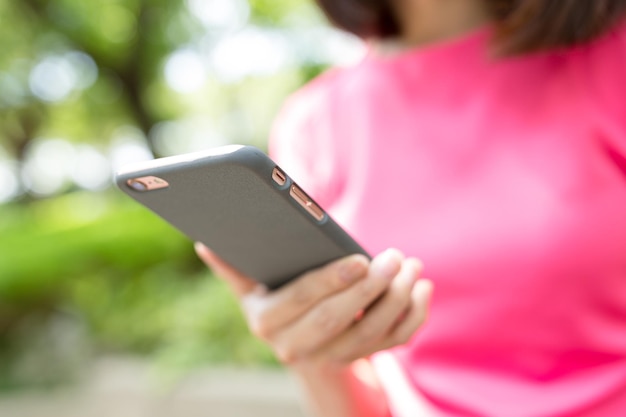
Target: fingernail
(425, 289)
(387, 264)
(416, 266)
(351, 270)
(423, 297)
(417, 263)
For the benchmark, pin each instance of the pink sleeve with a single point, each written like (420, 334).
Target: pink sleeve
(301, 142)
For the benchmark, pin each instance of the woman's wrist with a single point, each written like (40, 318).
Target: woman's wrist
(318, 369)
(341, 390)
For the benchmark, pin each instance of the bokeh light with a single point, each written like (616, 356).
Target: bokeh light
(9, 182)
(253, 51)
(220, 14)
(92, 169)
(84, 68)
(189, 135)
(128, 146)
(55, 77)
(48, 166)
(185, 71)
(330, 46)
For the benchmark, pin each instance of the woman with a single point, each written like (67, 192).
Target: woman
(487, 138)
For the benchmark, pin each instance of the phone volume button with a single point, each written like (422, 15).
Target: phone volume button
(306, 202)
(315, 211)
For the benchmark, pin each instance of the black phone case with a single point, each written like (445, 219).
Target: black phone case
(226, 198)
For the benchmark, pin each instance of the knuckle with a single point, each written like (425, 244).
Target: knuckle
(366, 334)
(326, 321)
(402, 338)
(422, 315)
(345, 359)
(301, 294)
(286, 355)
(340, 355)
(368, 290)
(260, 328)
(399, 298)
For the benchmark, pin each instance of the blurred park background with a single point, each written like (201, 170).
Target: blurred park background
(87, 86)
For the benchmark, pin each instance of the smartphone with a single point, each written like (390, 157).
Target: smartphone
(238, 202)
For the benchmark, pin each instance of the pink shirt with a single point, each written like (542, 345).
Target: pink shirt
(508, 179)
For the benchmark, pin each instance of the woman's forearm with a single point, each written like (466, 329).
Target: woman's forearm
(347, 392)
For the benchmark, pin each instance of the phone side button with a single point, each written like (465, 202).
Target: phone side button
(315, 211)
(279, 176)
(306, 202)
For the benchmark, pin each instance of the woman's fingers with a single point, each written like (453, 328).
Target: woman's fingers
(269, 312)
(405, 329)
(314, 315)
(281, 307)
(336, 313)
(239, 283)
(415, 317)
(380, 319)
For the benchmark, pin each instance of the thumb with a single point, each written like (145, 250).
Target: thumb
(240, 284)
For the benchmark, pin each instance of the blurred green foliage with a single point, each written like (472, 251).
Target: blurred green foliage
(84, 273)
(119, 279)
(129, 41)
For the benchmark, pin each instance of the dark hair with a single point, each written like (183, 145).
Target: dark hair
(521, 25)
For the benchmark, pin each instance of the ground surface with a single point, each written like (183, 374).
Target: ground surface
(122, 388)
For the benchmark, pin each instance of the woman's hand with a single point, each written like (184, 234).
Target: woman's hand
(336, 314)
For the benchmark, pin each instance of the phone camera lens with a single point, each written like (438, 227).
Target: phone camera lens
(137, 185)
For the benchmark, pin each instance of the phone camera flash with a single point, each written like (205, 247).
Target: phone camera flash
(144, 184)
